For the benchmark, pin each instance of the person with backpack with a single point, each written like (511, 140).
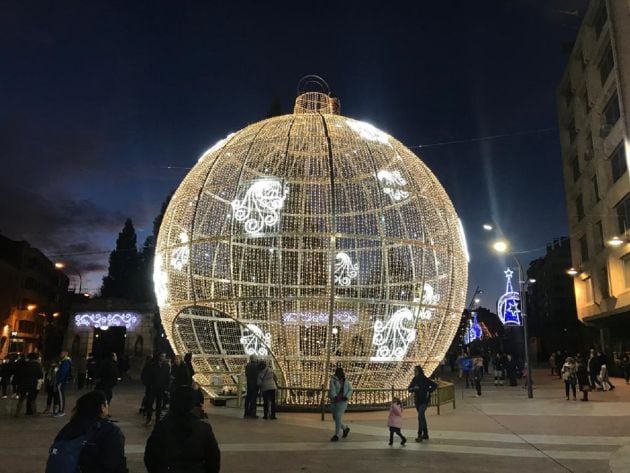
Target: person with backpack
(182, 442)
(339, 391)
(89, 443)
(64, 375)
(421, 387)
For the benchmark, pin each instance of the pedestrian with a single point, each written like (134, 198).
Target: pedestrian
(180, 374)
(583, 379)
(182, 441)
(268, 383)
(477, 372)
(89, 442)
(465, 367)
(511, 369)
(552, 362)
(189, 367)
(569, 376)
(421, 387)
(90, 370)
(559, 359)
(50, 388)
(81, 366)
(593, 367)
(18, 365)
(64, 375)
(251, 376)
(604, 380)
(499, 369)
(107, 376)
(394, 422)
(198, 401)
(339, 392)
(30, 378)
(156, 380)
(625, 368)
(6, 372)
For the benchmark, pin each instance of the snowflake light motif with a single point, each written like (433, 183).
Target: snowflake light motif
(508, 305)
(106, 319)
(180, 255)
(261, 205)
(345, 270)
(392, 338)
(255, 341)
(393, 183)
(429, 297)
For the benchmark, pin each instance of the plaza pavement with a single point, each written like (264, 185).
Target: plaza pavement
(502, 431)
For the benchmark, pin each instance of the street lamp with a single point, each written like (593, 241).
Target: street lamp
(502, 247)
(615, 242)
(61, 265)
(572, 271)
(487, 227)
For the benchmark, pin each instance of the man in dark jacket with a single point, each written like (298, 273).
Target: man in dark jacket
(6, 372)
(181, 442)
(156, 378)
(422, 387)
(107, 375)
(251, 375)
(31, 373)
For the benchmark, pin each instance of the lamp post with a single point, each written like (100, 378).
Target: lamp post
(501, 246)
(60, 265)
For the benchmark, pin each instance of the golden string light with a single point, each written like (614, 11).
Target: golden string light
(311, 240)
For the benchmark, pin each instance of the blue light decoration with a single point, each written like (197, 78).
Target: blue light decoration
(473, 332)
(508, 308)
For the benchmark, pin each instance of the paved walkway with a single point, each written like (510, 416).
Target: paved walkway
(502, 431)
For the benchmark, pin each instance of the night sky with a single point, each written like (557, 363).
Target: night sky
(105, 105)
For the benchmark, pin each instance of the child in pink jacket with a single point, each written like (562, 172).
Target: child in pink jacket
(394, 421)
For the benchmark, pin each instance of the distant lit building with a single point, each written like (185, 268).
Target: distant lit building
(552, 316)
(593, 101)
(32, 290)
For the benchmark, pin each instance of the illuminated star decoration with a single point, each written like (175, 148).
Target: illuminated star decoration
(508, 306)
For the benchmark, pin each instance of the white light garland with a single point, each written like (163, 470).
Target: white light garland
(343, 318)
(261, 205)
(345, 270)
(367, 131)
(393, 183)
(107, 319)
(160, 281)
(429, 297)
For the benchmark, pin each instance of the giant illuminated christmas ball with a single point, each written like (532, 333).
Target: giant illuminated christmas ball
(311, 240)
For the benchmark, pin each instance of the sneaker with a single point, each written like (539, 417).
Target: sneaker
(403, 441)
(425, 436)
(273, 417)
(418, 439)
(59, 414)
(346, 431)
(334, 438)
(390, 443)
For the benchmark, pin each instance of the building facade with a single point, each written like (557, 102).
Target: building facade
(32, 291)
(593, 102)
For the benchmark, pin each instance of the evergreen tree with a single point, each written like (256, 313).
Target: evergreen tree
(146, 269)
(123, 279)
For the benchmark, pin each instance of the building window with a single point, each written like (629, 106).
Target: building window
(623, 213)
(583, 249)
(626, 270)
(603, 283)
(579, 207)
(575, 165)
(600, 19)
(618, 162)
(587, 284)
(611, 110)
(606, 64)
(599, 234)
(596, 196)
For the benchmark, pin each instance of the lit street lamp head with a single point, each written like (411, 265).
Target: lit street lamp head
(572, 271)
(500, 246)
(59, 265)
(615, 242)
(487, 227)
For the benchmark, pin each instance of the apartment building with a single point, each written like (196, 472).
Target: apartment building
(593, 101)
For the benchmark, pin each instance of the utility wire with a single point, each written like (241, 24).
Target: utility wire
(487, 138)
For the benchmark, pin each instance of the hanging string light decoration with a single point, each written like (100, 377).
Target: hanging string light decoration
(312, 240)
(508, 307)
